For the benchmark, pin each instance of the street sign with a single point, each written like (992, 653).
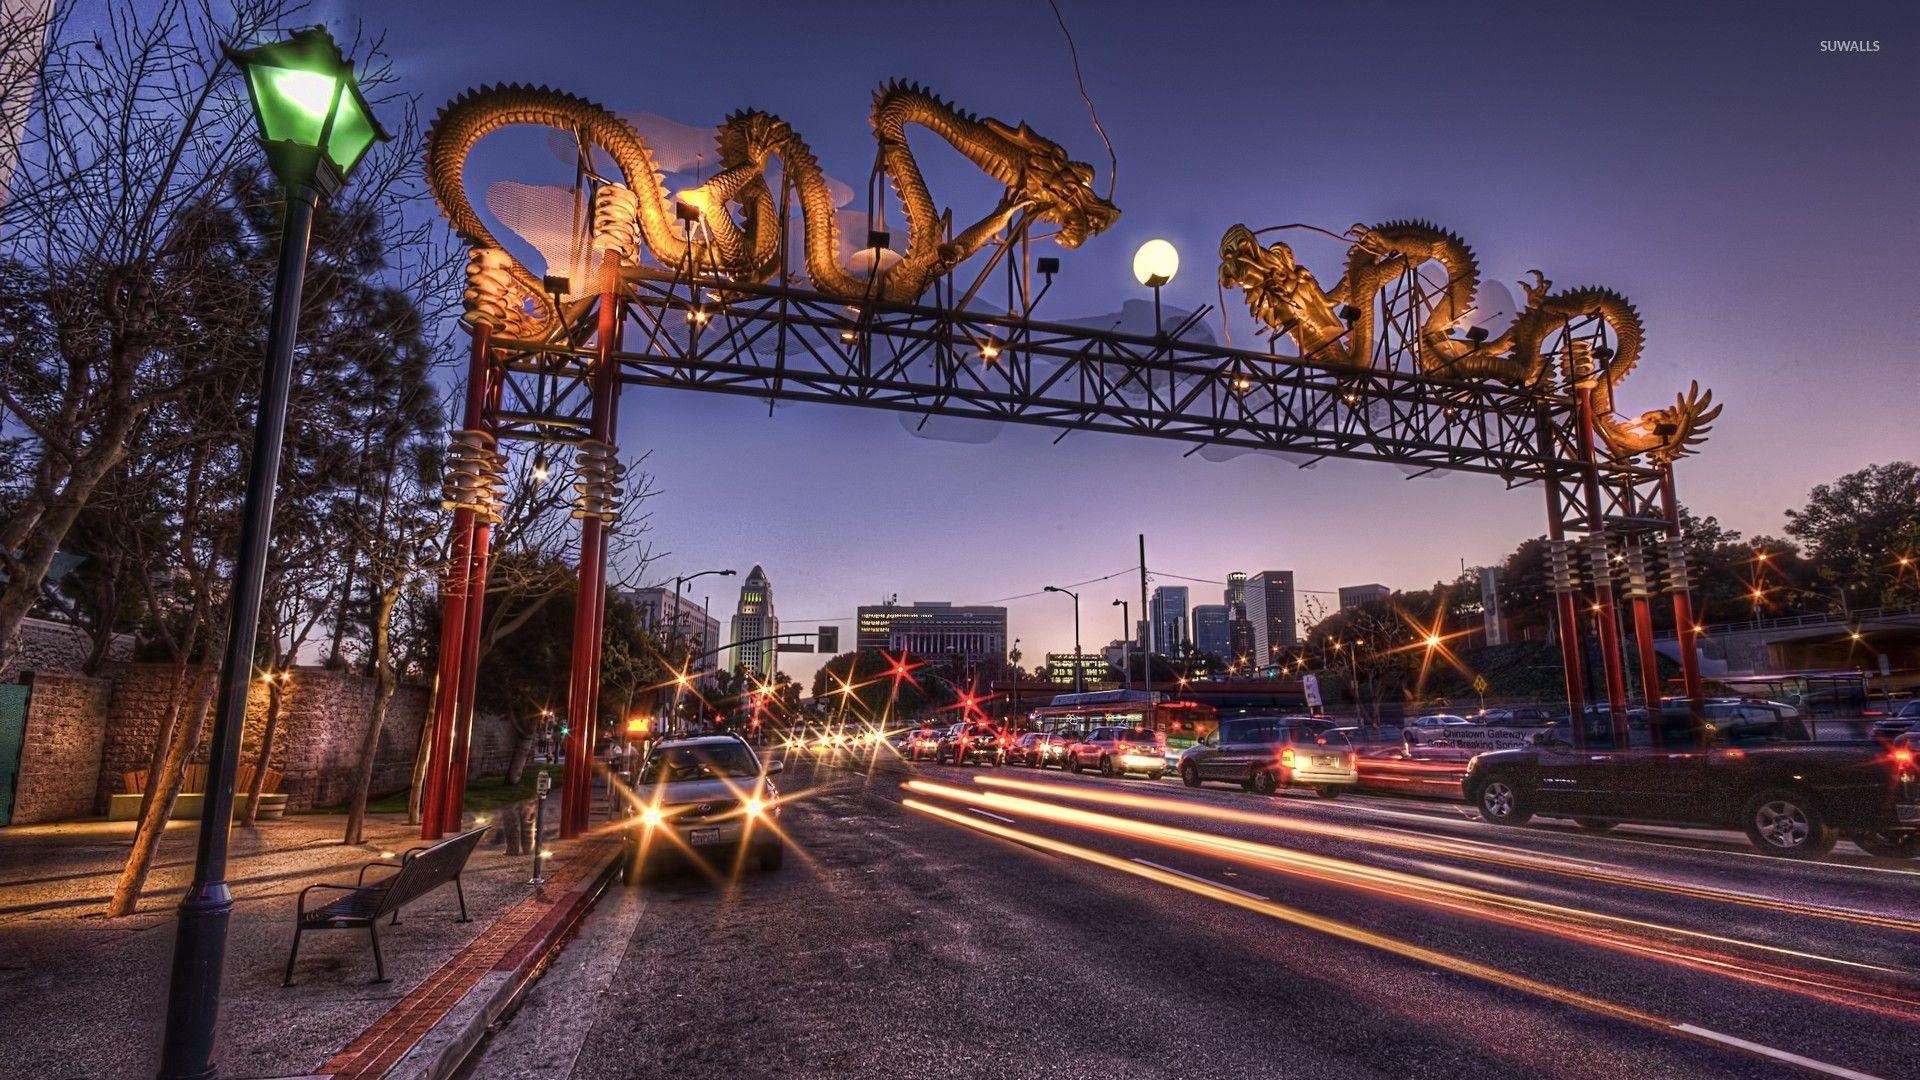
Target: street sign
(796, 646)
(1311, 684)
(543, 784)
(1479, 684)
(829, 639)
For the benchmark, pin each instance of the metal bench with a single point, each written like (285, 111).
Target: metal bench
(420, 871)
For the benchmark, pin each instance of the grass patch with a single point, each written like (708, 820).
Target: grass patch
(484, 793)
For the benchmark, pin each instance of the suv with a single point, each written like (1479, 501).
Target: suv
(1267, 753)
(1117, 751)
(970, 740)
(710, 798)
(1039, 749)
(1898, 722)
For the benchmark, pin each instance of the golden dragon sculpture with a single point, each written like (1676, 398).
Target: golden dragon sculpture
(1040, 180)
(1337, 326)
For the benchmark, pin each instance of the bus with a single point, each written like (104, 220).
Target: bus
(1182, 722)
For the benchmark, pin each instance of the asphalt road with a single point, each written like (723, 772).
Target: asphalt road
(935, 921)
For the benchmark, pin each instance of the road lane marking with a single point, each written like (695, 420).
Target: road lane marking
(1354, 934)
(994, 816)
(1777, 1055)
(1201, 880)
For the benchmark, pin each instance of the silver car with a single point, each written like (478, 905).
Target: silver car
(708, 800)
(1267, 753)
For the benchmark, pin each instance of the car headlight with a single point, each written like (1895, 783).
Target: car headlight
(754, 806)
(651, 816)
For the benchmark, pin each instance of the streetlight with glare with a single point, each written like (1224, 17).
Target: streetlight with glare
(315, 127)
(1079, 667)
(1154, 266)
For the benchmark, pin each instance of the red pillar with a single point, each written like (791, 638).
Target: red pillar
(1683, 631)
(584, 682)
(453, 619)
(1649, 660)
(1610, 660)
(479, 559)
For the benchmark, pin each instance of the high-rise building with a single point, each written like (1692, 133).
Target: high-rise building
(1352, 596)
(935, 629)
(1168, 610)
(1496, 619)
(1240, 640)
(1212, 631)
(1270, 610)
(669, 617)
(1236, 594)
(753, 620)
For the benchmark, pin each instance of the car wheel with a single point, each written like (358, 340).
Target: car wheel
(1266, 782)
(1161, 775)
(772, 857)
(635, 870)
(1327, 791)
(1503, 803)
(1189, 775)
(1787, 824)
(1106, 766)
(1594, 825)
(1072, 765)
(1889, 845)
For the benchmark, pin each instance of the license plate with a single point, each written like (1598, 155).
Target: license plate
(703, 836)
(1326, 762)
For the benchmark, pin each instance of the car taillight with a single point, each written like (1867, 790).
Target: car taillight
(1903, 756)
(1286, 758)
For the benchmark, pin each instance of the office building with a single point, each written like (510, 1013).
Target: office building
(1213, 631)
(1352, 596)
(754, 627)
(1168, 613)
(1270, 610)
(1240, 640)
(935, 629)
(1236, 594)
(670, 618)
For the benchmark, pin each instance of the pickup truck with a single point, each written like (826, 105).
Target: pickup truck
(1793, 799)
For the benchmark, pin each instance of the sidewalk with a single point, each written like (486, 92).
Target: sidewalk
(86, 996)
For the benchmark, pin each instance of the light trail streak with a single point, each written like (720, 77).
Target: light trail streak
(1347, 932)
(1476, 850)
(1573, 924)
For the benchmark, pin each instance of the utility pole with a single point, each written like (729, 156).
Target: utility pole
(1146, 639)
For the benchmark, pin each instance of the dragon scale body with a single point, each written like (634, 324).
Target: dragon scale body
(1039, 177)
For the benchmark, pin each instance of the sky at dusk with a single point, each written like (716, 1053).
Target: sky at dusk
(1753, 195)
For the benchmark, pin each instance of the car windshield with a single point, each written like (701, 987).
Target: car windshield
(673, 764)
(1139, 735)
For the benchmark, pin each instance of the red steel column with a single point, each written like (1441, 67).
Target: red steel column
(1649, 660)
(577, 804)
(1564, 605)
(453, 618)
(1683, 625)
(1610, 660)
(479, 559)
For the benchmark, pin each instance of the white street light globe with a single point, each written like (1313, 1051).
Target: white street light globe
(1155, 263)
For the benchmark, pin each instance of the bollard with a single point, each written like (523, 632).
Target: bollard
(540, 788)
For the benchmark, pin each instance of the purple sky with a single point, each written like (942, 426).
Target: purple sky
(1753, 195)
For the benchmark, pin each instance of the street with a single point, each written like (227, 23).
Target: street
(938, 921)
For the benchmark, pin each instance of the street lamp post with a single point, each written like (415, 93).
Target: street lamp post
(1126, 656)
(315, 127)
(1079, 668)
(686, 653)
(1154, 264)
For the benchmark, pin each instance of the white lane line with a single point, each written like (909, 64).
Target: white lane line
(1777, 1055)
(996, 817)
(1201, 880)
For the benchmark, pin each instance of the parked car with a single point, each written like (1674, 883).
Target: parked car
(716, 797)
(970, 741)
(920, 743)
(1040, 749)
(1793, 798)
(1267, 753)
(1901, 720)
(1432, 728)
(1117, 751)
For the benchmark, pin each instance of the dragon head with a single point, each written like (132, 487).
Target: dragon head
(1056, 188)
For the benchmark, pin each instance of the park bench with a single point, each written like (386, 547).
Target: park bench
(125, 806)
(419, 872)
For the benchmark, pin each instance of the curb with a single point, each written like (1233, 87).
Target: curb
(428, 1034)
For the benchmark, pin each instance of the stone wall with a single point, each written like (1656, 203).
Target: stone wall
(60, 756)
(52, 646)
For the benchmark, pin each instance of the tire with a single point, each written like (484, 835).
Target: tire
(1594, 825)
(772, 857)
(1327, 791)
(1189, 775)
(1161, 775)
(1889, 845)
(635, 870)
(1106, 767)
(1266, 782)
(1072, 765)
(1502, 802)
(1787, 824)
